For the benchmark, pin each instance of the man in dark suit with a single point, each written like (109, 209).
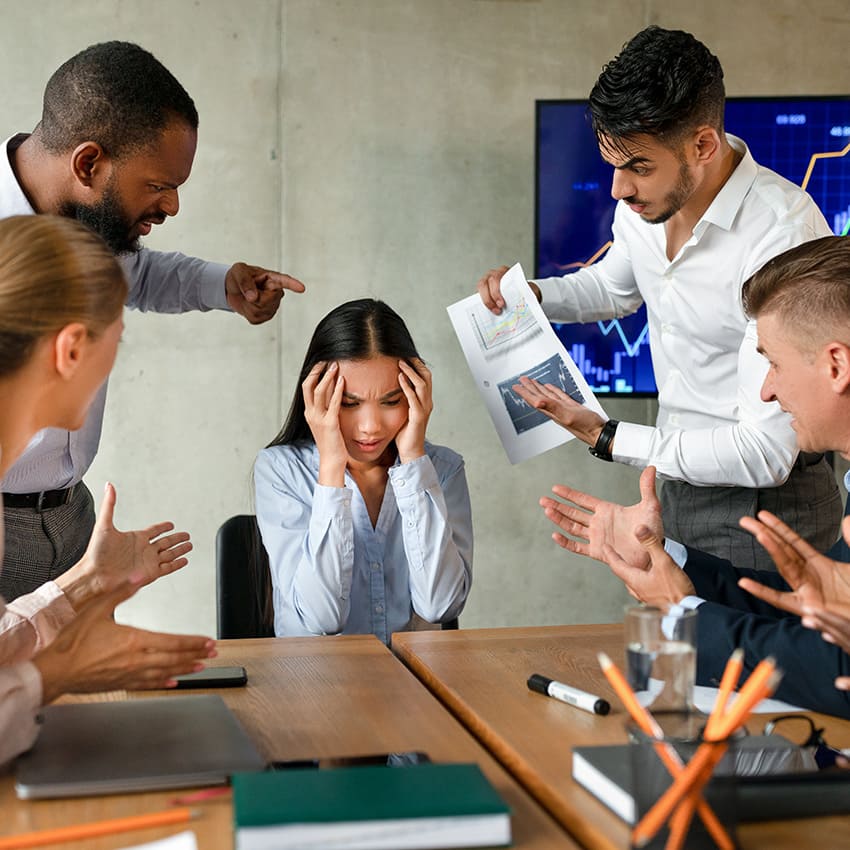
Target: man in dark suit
(801, 302)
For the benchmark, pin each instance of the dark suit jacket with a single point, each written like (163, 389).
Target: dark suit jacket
(731, 618)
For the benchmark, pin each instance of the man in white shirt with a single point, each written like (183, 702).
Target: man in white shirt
(116, 140)
(697, 217)
(801, 300)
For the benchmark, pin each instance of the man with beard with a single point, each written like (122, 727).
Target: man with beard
(697, 216)
(116, 140)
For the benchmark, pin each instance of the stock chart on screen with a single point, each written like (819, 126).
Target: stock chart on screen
(805, 139)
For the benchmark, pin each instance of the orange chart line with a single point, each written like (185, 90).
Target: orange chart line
(816, 157)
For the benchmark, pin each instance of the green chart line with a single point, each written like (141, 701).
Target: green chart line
(846, 228)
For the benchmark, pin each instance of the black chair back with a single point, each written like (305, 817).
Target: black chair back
(243, 580)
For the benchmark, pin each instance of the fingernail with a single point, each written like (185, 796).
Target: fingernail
(808, 622)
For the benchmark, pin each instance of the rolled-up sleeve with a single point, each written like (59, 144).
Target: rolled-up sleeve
(31, 622)
(307, 532)
(437, 534)
(20, 699)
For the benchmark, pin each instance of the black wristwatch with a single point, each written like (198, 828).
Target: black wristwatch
(602, 449)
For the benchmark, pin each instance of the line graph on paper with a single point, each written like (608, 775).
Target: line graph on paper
(496, 335)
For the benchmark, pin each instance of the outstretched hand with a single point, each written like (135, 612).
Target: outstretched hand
(94, 653)
(595, 523)
(815, 579)
(255, 292)
(581, 421)
(113, 555)
(663, 583)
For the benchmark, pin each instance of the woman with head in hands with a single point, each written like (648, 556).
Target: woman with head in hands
(61, 302)
(367, 525)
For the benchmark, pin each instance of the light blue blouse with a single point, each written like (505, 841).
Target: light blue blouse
(333, 573)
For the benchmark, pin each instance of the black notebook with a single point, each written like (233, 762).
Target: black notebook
(134, 745)
(605, 771)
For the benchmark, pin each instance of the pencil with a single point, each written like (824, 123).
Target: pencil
(731, 674)
(761, 683)
(94, 829)
(669, 757)
(684, 813)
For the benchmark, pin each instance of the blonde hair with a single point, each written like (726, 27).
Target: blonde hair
(53, 271)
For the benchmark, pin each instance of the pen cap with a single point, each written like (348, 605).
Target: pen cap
(539, 683)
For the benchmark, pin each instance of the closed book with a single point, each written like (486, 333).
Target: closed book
(369, 808)
(606, 772)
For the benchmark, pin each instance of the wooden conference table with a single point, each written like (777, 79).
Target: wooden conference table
(480, 675)
(305, 698)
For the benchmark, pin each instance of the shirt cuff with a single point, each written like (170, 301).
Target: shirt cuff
(677, 551)
(413, 477)
(214, 295)
(330, 501)
(632, 443)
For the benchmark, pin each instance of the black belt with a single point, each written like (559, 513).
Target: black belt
(805, 459)
(43, 501)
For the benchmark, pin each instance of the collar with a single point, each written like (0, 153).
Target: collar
(13, 201)
(724, 208)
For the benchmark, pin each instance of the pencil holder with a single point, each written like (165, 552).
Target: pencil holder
(651, 762)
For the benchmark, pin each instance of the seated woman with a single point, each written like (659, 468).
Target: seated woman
(348, 553)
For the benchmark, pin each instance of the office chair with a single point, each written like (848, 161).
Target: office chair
(243, 580)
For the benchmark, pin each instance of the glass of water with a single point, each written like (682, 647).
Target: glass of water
(661, 656)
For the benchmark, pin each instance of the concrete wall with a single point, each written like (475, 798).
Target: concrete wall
(370, 147)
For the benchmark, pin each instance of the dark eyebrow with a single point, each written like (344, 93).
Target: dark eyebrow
(631, 163)
(391, 394)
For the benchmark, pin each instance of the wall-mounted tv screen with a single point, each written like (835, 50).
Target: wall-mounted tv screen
(805, 139)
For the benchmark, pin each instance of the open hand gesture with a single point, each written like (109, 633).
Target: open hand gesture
(815, 579)
(596, 523)
(581, 421)
(416, 384)
(112, 555)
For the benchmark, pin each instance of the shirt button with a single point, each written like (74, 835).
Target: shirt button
(411, 523)
(401, 482)
(376, 567)
(379, 609)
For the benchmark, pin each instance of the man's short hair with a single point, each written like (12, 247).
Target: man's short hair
(808, 289)
(664, 83)
(116, 94)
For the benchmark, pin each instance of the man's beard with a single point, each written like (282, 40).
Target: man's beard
(677, 197)
(106, 218)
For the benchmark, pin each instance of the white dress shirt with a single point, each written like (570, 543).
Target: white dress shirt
(159, 282)
(334, 573)
(712, 428)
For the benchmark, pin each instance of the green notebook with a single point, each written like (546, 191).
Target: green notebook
(366, 808)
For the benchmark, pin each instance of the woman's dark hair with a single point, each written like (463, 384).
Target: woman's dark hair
(356, 330)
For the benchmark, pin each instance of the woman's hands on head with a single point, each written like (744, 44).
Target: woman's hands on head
(416, 384)
(322, 399)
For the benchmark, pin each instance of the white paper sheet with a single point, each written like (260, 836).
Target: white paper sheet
(500, 349)
(182, 841)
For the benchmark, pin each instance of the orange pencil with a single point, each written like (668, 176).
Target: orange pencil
(731, 674)
(762, 682)
(684, 813)
(94, 829)
(669, 757)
